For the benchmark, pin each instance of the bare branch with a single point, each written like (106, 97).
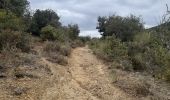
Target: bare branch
(168, 11)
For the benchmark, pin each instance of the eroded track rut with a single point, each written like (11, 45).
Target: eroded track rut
(85, 78)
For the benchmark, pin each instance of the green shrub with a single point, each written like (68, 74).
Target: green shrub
(10, 21)
(25, 42)
(115, 48)
(43, 18)
(167, 75)
(138, 62)
(18, 7)
(109, 48)
(123, 28)
(85, 39)
(148, 53)
(52, 33)
(48, 33)
(73, 31)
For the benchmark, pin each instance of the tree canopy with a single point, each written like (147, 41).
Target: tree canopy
(122, 27)
(42, 18)
(18, 7)
(73, 31)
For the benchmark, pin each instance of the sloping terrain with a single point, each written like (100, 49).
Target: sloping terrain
(84, 78)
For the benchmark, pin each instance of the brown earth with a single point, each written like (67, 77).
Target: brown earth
(84, 78)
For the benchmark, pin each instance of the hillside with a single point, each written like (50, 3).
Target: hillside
(157, 28)
(45, 56)
(85, 77)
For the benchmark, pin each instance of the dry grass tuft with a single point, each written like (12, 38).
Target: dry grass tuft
(57, 52)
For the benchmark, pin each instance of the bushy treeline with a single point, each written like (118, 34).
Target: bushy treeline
(46, 24)
(122, 27)
(12, 27)
(17, 23)
(125, 40)
(21, 31)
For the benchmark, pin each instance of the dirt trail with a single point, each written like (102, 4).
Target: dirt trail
(85, 78)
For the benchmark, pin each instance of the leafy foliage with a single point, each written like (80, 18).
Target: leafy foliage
(133, 47)
(12, 27)
(110, 48)
(18, 7)
(49, 33)
(122, 27)
(42, 18)
(10, 21)
(73, 31)
(85, 39)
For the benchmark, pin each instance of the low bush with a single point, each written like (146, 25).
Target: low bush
(73, 31)
(12, 40)
(167, 74)
(51, 47)
(49, 33)
(85, 39)
(77, 43)
(10, 21)
(57, 52)
(65, 50)
(61, 34)
(109, 48)
(58, 47)
(146, 53)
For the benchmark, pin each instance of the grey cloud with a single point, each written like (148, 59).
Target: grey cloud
(85, 12)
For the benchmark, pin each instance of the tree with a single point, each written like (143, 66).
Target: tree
(27, 18)
(101, 25)
(1, 4)
(42, 18)
(122, 27)
(18, 7)
(73, 31)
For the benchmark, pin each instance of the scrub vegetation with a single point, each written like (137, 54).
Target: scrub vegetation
(42, 59)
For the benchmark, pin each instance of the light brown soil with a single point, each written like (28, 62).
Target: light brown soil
(85, 79)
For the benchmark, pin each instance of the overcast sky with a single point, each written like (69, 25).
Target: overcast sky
(85, 12)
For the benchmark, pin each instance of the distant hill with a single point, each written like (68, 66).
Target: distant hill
(159, 27)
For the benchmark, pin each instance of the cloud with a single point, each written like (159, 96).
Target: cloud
(91, 33)
(85, 12)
